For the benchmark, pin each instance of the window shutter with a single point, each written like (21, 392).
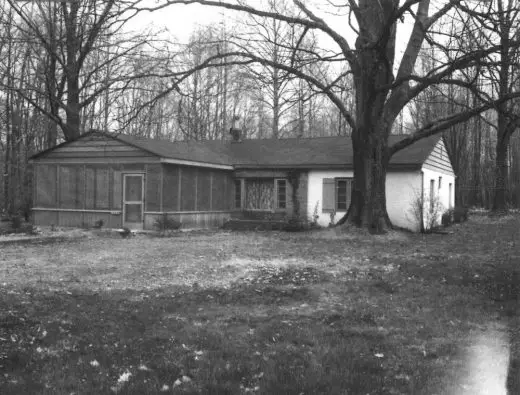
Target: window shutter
(327, 202)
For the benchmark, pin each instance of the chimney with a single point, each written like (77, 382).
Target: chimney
(236, 134)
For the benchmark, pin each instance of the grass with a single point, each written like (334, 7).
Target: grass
(263, 313)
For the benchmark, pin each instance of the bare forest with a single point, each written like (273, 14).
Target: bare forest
(362, 69)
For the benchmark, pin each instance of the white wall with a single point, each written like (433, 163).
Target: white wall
(315, 193)
(401, 190)
(442, 194)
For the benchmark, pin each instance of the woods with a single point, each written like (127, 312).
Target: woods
(363, 70)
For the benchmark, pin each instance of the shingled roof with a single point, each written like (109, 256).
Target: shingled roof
(321, 152)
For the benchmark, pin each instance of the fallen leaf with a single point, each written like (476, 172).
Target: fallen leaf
(124, 377)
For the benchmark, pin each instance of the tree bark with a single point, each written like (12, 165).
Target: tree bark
(374, 119)
(368, 202)
(500, 201)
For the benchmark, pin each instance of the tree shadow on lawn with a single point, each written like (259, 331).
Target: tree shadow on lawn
(257, 338)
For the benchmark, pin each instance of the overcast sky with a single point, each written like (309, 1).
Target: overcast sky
(182, 20)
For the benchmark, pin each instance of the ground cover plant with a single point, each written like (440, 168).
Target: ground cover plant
(319, 312)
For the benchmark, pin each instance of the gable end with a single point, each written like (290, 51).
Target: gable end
(94, 145)
(439, 160)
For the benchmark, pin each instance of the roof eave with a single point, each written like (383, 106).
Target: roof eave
(324, 166)
(174, 161)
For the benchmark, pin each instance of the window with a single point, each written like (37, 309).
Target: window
(281, 193)
(238, 193)
(343, 192)
(336, 194)
(341, 195)
(440, 183)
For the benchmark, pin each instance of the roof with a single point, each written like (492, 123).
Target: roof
(321, 152)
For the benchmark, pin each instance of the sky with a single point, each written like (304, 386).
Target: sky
(182, 20)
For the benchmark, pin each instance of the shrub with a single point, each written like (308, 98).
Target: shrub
(33, 230)
(332, 218)
(16, 223)
(315, 216)
(126, 232)
(166, 225)
(447, 218)
(460, 214)
(99, 224)
(426, 212)
(296, 224)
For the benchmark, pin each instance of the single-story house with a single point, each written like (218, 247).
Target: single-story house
(128, 181)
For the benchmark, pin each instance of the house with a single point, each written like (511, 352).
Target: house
(128, 181)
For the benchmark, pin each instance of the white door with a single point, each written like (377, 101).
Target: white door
(133, 196)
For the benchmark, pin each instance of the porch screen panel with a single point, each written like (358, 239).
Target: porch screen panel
(90, 188)
(102, 188)
(45, 186)
(188, 188)
(68, 188)
(230, 191)
(153, 188)
(259, 194)
(170, 188)
(219, 191)
(117, 190)
(80, 187)
(204, 190)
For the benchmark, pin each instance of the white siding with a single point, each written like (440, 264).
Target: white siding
(401, 189)
(315, 193)
(438, 160)
(442, 194)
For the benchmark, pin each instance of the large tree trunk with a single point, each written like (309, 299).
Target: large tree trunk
(374, 119)
(72, 127)
(368, 204)
(370, 157)
(500, 203)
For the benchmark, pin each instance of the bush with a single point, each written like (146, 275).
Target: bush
(126, 232)
(165, 225)
(16, 223)
(296, 224)
(447, 218)
(426, 212)
(460, 214)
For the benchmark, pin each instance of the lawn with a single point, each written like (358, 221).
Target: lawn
(321, 312)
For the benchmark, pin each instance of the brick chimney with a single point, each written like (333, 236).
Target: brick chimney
(236, 134)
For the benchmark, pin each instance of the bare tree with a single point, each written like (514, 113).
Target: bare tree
(383, 86)
(499, 20)
(73, 35)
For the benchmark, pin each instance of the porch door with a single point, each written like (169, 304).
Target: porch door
(133, 196)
